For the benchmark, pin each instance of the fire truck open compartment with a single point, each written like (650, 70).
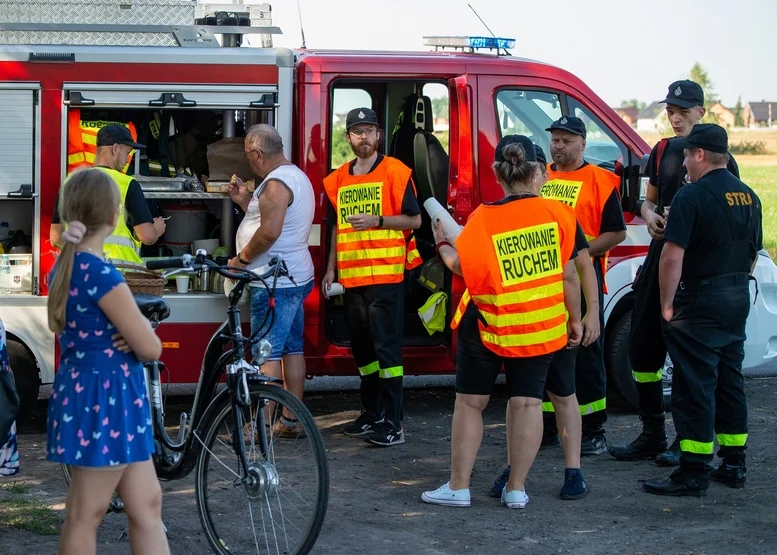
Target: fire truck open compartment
(178, 131)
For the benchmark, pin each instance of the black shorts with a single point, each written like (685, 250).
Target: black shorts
(561, 375)
(477, 367)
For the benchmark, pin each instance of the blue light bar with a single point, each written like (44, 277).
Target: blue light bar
(491, 42)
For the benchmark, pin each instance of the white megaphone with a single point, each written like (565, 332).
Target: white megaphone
(436, 211)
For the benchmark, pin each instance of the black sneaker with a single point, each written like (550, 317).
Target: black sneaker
(574, 485)
(386, 435)
(670, 457)
(363, 426)
(500, 483)
(593, 445)
(731, 473)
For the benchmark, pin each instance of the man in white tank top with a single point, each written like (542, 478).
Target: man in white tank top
(278, 218)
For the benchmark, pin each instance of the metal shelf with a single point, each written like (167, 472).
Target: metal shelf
(184, 195)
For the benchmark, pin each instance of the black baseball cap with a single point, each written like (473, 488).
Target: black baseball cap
(685, 93)
(115, 134)
(361, 115)
(569, 123)
(540, 154)
(522, 140)
(706, 136)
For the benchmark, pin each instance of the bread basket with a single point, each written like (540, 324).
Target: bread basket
(141, 280)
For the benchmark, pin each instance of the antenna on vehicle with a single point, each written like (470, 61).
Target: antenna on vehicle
(301, 28)
(484, 25)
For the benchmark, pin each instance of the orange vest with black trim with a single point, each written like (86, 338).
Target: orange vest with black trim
(372, 256)
(82, 140)
(512, 258)
(587, 191)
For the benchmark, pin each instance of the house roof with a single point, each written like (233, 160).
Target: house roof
(760, 110)
(652, 111)
(629, 111)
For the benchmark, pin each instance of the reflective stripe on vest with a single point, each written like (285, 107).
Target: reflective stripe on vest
(587, 190)
(82, 140)
(371, 256)
(512, 257)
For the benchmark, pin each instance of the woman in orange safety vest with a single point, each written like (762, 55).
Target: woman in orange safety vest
(522, 305)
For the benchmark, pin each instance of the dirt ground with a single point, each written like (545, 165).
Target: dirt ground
(375, 504)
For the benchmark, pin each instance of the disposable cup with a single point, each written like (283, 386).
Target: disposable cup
(334, 290)
(182, 284)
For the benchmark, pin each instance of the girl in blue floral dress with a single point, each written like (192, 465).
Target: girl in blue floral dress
(9, 455)
(99, 418)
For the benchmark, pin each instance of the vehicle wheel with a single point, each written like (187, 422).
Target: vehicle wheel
(618, 366)
(616, 358)
(25, 373)
(281, 505)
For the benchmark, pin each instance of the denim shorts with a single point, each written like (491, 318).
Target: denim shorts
(288, 326)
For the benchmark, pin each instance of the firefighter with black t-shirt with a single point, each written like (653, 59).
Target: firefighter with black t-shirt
(593, 193)
(647, 351)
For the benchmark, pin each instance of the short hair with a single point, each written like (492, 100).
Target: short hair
(266, 138)
(717, 158)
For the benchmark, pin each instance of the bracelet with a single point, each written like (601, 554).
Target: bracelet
(440, 244)
(380, 221)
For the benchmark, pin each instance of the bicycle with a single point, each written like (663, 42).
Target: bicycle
(249, 409)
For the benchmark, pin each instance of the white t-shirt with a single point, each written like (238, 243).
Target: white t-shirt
(292, 245)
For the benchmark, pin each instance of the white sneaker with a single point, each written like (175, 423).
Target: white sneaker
(444, 495)
(515, 499)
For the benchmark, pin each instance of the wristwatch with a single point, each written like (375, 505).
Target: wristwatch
(243, 262)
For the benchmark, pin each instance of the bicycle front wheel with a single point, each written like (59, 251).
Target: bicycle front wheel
(280, 505)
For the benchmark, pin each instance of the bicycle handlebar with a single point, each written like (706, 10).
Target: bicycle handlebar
(276, 267)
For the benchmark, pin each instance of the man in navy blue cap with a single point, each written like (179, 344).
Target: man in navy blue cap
(647, 350)
(712, 240)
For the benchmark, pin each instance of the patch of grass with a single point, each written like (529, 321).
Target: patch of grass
(18, 509)
(763, 180)
(748, 147)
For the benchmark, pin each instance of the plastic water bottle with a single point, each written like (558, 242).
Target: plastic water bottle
(5, 274)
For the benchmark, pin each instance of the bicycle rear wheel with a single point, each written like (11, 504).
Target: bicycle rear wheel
(281, 506)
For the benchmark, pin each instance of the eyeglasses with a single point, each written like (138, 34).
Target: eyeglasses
(369, 131)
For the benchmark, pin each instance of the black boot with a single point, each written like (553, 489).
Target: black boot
(650, 443)
(670, 457)
(731, 472)
(680, 484)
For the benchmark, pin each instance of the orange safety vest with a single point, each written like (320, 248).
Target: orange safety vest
(372, 256)
(587, 191)
(512, 258)
(82, 140)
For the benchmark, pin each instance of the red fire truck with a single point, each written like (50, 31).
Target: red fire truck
(184, 90)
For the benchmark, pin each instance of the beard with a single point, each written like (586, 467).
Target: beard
(364, 149)
(564, 158)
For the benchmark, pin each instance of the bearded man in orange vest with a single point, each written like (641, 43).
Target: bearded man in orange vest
(593, 193)
(375, 207)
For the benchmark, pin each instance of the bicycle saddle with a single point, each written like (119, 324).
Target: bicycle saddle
(152, 307)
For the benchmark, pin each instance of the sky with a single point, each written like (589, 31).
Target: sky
(622, 49)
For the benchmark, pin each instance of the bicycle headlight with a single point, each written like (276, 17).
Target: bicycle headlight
(263, 351)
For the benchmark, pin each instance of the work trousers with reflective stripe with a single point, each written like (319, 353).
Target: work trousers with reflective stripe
(374, 316)
(590, 377)
(647, 350)
(705, 339)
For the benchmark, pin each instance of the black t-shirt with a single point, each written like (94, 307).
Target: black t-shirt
(671, 175)
(612, 213)
(135, 207)
(699, 223)
(410, 205)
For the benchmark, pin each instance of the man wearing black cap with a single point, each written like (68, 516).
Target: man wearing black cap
(712, 240)
(374, 206)
(647, 351)
(114, 144)
(593, 193)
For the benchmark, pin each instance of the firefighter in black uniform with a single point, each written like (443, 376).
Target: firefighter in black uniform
(647, 351)
(712, 239)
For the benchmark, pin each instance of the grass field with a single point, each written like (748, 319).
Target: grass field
(760, 173)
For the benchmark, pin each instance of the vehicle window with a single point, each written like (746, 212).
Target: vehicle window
(343, 101)
(438, 94)
(603, 147)
(527, 112)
